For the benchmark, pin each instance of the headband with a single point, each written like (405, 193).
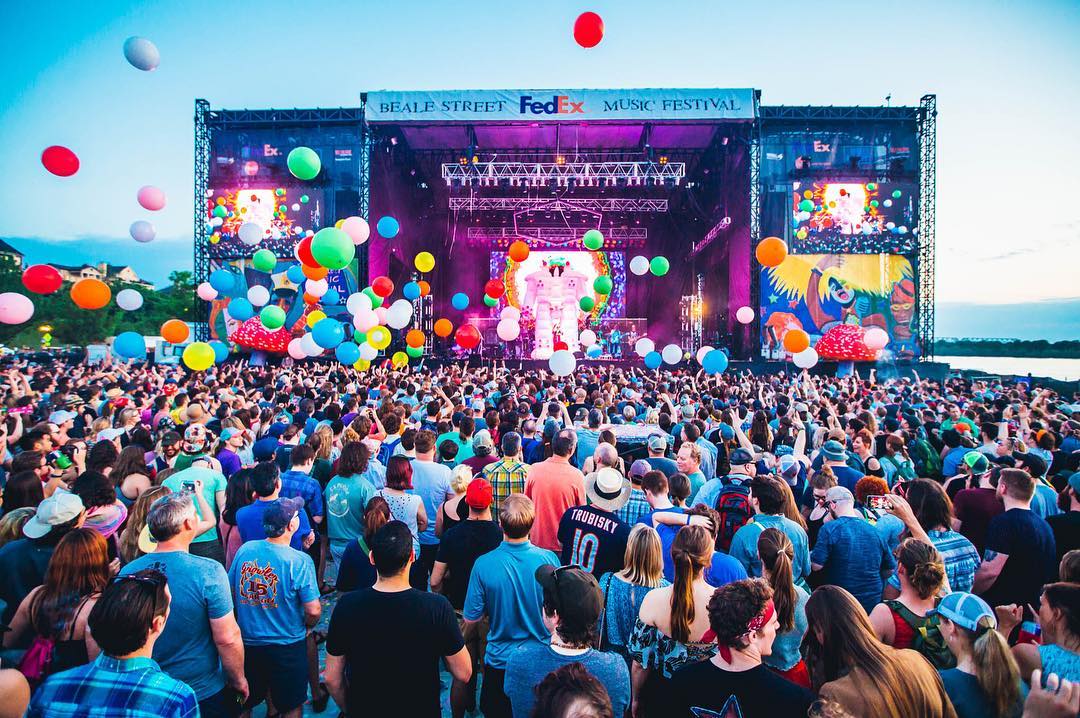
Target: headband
(756, 624)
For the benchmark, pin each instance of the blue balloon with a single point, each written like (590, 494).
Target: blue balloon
(221, 351)
(222, 280)
(653, 360)
(129, 345)
(296, 274)
(594, 351)
(328, 333)
(330, 298)
(411, 291)
(714, 362)
(347, 353)
(388, 227)
(240, 309)
(460, 301)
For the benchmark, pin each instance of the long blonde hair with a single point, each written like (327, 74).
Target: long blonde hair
(995, 668)
(128, 547)
(691, 551)
(644, 558)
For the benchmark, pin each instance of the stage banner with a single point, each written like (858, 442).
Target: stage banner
(571, 105)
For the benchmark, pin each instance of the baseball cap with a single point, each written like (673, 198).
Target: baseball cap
(741, 456)
(230, 432)
(194, 437)
(788, 466)
(478, 494)
(265, 449)
(59, 417)
(109, 434)
(657, 443)
(574, 591)
(964, 609)
(834, 450)
(687, 412)
(58, 509)
(839, 493)
(1036, 465)
(641, 467)
(482, 439)
(977, 462)
(279, 513)
(801, 407)
(277, 429)
(1074, 482)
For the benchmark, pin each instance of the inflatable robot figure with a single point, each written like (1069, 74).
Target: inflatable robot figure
(553, 293)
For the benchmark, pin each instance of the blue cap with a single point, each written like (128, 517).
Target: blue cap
(276, 430)
(834, 451)
(965, 610)
(265, 449)
(1074, 482)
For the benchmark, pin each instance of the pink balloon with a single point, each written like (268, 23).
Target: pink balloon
(295, 350)
(876, 338)
(508, 330)
(151, 198)
(15, 308)
(365, 319)
(206, 292)
(745, 315)
(380, 312)
(357, 228)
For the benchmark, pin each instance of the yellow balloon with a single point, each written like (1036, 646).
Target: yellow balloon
(198, 356)
(399, 359)
(315, 317)
(362, 365)
(379, 338)
(424, 262)
(337, 225)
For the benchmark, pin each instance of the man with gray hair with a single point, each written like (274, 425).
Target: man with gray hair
(507, 476)
(201, 644)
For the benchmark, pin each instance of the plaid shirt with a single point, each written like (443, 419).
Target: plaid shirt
(960, 558)
(505, 477)
(107, 687)
(297, 483)
(635, 508)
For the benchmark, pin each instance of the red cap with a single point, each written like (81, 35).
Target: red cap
(478, 495)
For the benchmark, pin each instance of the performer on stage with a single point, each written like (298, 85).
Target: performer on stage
(616, 343)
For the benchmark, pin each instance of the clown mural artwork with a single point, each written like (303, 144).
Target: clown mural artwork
(836, 298)
(552, 293)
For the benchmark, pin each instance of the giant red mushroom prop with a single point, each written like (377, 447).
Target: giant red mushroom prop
(844, 342)
(253, 335)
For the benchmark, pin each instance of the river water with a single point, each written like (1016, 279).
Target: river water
(1063, 369)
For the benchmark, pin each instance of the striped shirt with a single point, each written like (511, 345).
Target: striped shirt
(108, 687)
(506, 477)
(960, 557)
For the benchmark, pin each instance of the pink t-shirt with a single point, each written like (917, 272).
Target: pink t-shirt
(554, 485)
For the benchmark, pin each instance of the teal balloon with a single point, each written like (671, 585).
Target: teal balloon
(328, 333)
(265, 261)
(594, 351)
(388, 227)
(240, 309)
(897, 194)
(602, 284)
(376, 300)
(222, 280)
(490, 301)
(659, 266)
(220, 211)
(304, 199)
(331, 298)
(129, 345)
(806, 205)
(415, 352)
(221, 351)
(272, 317)
(332, 248)
(411, 291)
(653, 360)
(347, 353)
(593, 240)
(460, 301)
(304, 163)
(714, 362)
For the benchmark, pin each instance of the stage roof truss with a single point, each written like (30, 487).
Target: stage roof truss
(576, 204)
(628, 174)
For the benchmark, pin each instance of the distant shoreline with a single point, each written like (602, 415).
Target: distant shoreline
(1024, 349)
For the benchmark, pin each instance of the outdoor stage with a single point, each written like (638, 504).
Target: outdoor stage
(691, 179)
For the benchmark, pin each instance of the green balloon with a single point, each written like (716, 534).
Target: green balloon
(376, 300)
(279, 192)
(593, 240)
(304, 199)
(896, 194)
(358, 336)
(272, 317)
(602, 284)
(332, 248)
(871, 186)
(806, 205)
(490, 301)
(873, 203)
(264, 260)
(304, 163)
(659, 266)
(587, 304)
(415, 352)
(220, 211)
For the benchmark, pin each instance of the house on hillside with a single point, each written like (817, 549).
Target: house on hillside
(103, 271)
(10, 258)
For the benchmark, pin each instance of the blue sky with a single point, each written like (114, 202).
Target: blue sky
(1005, 74)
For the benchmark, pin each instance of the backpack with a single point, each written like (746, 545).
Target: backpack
(904, 469)
(733, 505)
(386, 450)
(927, 462)
(928, 639)
(37, 659)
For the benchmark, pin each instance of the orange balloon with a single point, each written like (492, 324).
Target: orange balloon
(314, 272)
(90, 293)
(796, 340)
(415, 338)
(175, 331)
(425, 288)
(310, 298)
(443, 327)
(519, 251)
(771, 251)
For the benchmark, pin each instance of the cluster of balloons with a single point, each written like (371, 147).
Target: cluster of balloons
(659, 266)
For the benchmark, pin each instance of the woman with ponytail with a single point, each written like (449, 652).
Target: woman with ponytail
(777, 553)
(986, 680)
(909, 621)
(672, 629)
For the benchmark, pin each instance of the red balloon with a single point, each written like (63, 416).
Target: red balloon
(467, 336)
(494, 289)
(42, 279)
(588, 29)
(59, 160)
(559, 346)
(303, 251)
(383, 286)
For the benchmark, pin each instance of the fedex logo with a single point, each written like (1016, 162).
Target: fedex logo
(559, 105)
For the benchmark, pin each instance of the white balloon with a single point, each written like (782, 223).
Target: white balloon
(562, 363)
(129, 300)
(511, 314)
(250, 233)
(400, 314)
(296, 349)
(587, 338)
(365, 319)
(368, 352)
(643, 346)
(206, 292)
(672, 354)
(875, 338)
(700, 356)
(141, 53)
(258, 295)
(357, 228)
(806, 358)
(307, 343)
(508, 330)
(316, 287)
(639, 265)
(356, 302)
(217, 222)
(142, 231)
(744, 315)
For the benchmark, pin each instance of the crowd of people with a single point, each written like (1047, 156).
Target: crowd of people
(506, 542)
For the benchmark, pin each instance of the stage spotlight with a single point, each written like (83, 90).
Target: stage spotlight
(475, 159)
(662, 160)
(463, 160)
(560, 160)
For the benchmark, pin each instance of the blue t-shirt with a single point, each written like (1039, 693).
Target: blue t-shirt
(950, 463)
(213, 482)
(431, 482)
(1029, 543)
(847, 477)
(271, 584)
(968, 698)
(249, 520)
(744, 545)
(503, 586)
(532, 661)
(664, 465)
(346, 500)
(587, 441)
(200, 593)
(854, 557)
(667, 537)
(723, 570)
